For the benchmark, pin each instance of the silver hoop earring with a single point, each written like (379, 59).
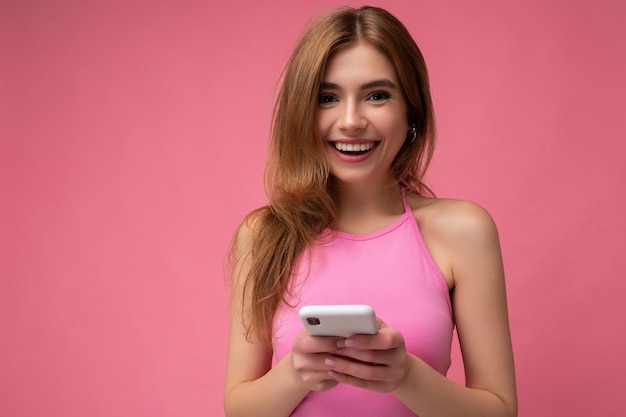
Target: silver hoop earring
(413, 134)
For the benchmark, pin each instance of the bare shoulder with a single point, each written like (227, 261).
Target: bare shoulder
(454, 219)
(248, 230)
(453, 229)
(251, 223)
(241, 247)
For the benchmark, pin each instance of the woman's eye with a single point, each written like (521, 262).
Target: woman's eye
(379, 96)
(326, 99)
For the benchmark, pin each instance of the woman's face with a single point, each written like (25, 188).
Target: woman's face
(361, 114)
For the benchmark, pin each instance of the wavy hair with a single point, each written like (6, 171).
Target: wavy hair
(300, 189)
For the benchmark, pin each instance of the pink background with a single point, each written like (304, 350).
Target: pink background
(132, 139)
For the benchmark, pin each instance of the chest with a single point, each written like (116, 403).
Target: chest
(392, 273)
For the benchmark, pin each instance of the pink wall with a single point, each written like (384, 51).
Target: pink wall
(132, 137)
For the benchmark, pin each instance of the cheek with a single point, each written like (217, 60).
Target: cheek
(393, 122)
(403, 126)
(321, 125)
(397, 129)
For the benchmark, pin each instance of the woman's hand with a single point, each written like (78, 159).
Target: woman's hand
(308, 357)
(375, 362)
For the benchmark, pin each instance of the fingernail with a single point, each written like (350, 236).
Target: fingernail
(331, 363)
(350, 343)
(341, 343)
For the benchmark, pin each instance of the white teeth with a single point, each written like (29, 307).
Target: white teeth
(354, 147)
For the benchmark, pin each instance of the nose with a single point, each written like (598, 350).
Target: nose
(351, 118)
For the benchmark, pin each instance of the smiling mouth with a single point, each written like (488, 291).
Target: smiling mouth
(355, 148)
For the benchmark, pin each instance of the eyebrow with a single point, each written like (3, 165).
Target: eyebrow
(384, 82)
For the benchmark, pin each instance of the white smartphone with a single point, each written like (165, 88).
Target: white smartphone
(339, 320)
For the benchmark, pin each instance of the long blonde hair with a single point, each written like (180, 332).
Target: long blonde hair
(300, 189)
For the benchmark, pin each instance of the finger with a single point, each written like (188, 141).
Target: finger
(386, 338)
(358, 369)
(325, 384)
(381, 323)
(306, 343)
(366, 356)
(309, 362)
(318, 380)
(377, 386)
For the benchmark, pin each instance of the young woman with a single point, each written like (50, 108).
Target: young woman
(350, 221)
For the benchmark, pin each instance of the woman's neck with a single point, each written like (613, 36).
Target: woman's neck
(364, 207)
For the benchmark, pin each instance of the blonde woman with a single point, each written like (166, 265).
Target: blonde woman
(350, 221)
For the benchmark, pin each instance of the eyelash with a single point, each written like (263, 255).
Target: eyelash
(384, 96)
(326, 98)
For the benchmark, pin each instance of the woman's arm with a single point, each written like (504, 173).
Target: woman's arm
(464, 242)
(469, 237)
(253, 387)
